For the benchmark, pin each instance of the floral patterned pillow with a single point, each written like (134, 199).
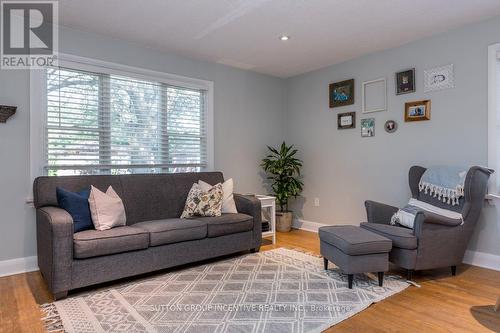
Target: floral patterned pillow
(201, 203)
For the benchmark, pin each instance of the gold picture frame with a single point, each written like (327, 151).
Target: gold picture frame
(418, 110)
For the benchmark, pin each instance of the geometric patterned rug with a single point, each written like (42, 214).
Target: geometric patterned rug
(273, 291)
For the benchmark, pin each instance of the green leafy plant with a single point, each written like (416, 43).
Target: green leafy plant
(284, 172)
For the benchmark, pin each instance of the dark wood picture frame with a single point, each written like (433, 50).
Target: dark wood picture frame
(402, 87)
(347, 84)
(418, 110)
(346, 114)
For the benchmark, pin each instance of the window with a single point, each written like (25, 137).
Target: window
(103, 121)
(494, 116)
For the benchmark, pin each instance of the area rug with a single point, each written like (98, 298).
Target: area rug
(274, 291)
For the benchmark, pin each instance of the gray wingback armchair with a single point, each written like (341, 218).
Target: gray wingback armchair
(435, 240)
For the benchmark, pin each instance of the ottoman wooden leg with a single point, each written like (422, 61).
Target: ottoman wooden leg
(380, 278)
(349, 279)
(325, 262)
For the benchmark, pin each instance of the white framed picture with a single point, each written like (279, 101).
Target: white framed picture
(439, 78)
(374, 95)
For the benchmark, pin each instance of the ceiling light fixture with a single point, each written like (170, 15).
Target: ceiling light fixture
(284, 38)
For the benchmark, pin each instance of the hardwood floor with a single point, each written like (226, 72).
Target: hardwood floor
(463, 303)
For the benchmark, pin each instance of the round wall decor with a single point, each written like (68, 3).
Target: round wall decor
(391, 126)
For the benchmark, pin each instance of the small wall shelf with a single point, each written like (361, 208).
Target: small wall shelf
(6, 112)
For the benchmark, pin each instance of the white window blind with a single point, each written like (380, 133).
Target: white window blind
(101, 123)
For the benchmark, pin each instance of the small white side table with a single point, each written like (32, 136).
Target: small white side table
(269, 203)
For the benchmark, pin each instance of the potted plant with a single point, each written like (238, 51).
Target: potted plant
(283, 169)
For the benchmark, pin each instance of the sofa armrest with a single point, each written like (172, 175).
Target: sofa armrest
(427, 218)
(377, 212)
(55, 247)
(250, 205)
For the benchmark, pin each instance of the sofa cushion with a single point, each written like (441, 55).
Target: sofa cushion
(203, 203)
(401, 237)
(228, 204)
(227, 224)
(107, 209)
(77, 205)
(93, 243)
(173, 230)
(353, 240)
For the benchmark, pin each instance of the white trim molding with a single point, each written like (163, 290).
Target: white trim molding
(480, 259)
(307, 225)
(18, 266)
(493, 51)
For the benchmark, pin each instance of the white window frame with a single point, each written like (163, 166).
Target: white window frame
(38, 102)
(493, 149)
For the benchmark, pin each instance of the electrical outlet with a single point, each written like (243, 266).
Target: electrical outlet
(316, 202)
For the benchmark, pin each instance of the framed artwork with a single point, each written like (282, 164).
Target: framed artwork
(367, 127)
(374, 96)
(405, 82)
(346, 120)
(390, 126)
(418, 110)
(342, 93)
(439, 78)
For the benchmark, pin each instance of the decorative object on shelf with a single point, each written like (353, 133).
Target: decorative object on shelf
(374, 95)
(391, 126)
(367, 127)
(405, 82)
(346, 120)
(6, 112)
(342, 93)
(418, 110)
(439, 78)
(283, 169)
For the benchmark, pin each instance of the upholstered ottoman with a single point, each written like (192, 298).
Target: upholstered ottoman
(355, 250)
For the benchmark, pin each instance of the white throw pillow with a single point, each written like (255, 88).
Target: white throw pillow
(228, 204)
(107, 209)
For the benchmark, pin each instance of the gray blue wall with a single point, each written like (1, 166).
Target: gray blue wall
(343, 169)
(253, 110)
(248, 112)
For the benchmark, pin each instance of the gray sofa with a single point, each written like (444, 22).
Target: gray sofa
(435, 240)
(154, 238)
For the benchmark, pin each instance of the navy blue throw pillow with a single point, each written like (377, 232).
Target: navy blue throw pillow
(77, 205)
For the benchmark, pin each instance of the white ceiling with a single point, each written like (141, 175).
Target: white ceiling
(244, 33)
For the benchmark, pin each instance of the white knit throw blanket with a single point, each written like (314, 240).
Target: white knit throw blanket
(446, 183)
(406, 215)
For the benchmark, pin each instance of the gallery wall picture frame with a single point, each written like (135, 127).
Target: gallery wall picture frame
(346, 120)
(374, 95)
(367, 127)
(418, 110)
(341, 93)
(405, 81)
(439, 78)
(391, 126)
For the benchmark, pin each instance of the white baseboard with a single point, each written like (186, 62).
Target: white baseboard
(307, 225)
(481, 259)
(18, 265)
